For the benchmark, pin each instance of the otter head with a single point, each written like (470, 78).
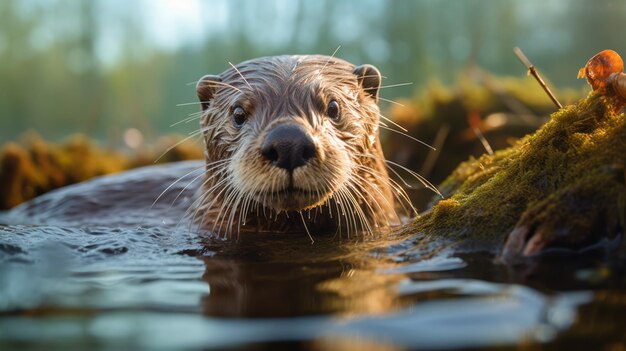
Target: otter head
(289, 134)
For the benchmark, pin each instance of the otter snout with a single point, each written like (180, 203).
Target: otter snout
(288, 147)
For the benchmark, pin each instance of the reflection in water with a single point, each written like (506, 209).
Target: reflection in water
(64, 288)
(255, 290)
(276, 277)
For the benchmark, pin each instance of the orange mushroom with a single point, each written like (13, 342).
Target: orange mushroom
(604, 72)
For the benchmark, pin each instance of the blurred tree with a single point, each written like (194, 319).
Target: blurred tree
(99, 66)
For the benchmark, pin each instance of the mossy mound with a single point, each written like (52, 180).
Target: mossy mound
(562, 186)
(33, 167)
(503, 109)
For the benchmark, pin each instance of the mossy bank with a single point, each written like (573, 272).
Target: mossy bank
(563, 186)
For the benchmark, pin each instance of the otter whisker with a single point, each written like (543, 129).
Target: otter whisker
(395, 85)
(398, 193)
(338, 216)
(400, 177)
(239, 207)
(391, 169)
(245, 209)
(192, 116)
(306, 228)
(187, 213)
(350, 192)
(214, 166)
(346, 210)
(226, 203)
(330, 58)
(403, 198)
(369, 200)
(242, 213)
(393, 122)
(233, 200)
(166, 190)
(213, 83)
(417, 176)
(201, 199)
(208, 168)
(236, 201)
(374, 200)
(241, 75)
(341, 213)
(174, 183)
(191, 135)
(192, 103)
(247, 202)
(355, 212)
(391, 101)
(421, 179)
(408, 136)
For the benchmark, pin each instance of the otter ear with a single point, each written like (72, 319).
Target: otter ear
(369, 78)
(205, 88)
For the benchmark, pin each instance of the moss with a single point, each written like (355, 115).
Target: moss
(564, 184)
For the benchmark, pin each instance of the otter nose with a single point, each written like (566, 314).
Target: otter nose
(288, 147)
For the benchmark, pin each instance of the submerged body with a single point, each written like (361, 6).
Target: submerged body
(124, 200)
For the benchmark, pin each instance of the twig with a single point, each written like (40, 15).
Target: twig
(533, 71)
(433, 154)
(483, 141)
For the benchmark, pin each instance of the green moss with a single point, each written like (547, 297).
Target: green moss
(566, 183)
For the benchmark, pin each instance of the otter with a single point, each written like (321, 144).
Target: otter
(291, 144)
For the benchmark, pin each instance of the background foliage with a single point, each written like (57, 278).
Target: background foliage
(101, 66)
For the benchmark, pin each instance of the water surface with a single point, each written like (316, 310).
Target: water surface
(164, 286)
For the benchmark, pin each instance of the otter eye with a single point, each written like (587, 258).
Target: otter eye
(239, 116)
(333, 109)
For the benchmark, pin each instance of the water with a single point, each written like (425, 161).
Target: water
(160, 286)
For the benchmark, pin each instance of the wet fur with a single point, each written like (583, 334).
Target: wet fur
(345, 188)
